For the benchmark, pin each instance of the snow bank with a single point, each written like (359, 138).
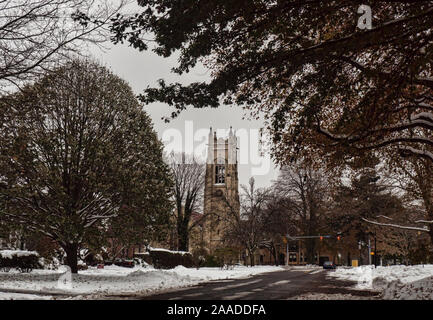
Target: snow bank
(395, 282)
(329, 296)
(114, 280)
(417, 290)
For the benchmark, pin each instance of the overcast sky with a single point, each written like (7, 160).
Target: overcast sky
(142, 69)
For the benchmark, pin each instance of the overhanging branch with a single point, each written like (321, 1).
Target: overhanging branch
(425, 229)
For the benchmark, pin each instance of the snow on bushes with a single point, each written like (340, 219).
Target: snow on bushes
(24, 261)
(166, 259)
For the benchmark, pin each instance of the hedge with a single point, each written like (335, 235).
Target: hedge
(165, 259)
(24, 261)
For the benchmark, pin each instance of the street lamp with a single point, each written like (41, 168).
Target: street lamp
(375, 249)
(360, 244)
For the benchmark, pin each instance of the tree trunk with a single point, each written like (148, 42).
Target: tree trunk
(312, 230)
(311, 246)
(251, 254)
(183, 236)
(426, 192)
(72, 256)
(183, 243)
(429, 208)
(431, 233)
(274, 253)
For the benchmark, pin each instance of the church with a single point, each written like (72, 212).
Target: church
(221, 206)
(221, 190)
(220, 200)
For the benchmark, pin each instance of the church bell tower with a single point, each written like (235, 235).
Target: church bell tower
(221, 193)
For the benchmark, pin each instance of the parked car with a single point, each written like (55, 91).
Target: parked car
(329, 265)
(124, 263)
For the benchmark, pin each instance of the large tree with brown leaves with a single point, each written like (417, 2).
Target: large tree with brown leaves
(324, 85)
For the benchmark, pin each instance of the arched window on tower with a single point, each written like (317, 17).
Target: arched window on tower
(220, 172)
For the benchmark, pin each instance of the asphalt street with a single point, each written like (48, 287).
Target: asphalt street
(280, 285)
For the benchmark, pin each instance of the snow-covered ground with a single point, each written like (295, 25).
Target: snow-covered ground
(395, 282)
(22, 296)
(114, 280)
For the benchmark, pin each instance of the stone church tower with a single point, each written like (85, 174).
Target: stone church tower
(221, 192)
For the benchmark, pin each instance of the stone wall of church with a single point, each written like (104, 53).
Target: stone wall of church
(221, 200)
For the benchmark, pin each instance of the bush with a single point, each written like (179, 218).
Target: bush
(226, 256)
(92, 259)
(420, 254)
(45, 247)
(199, 257)
(24, 261)
(212, 262)
(165, 259)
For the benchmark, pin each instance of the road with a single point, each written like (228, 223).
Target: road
(280, 285)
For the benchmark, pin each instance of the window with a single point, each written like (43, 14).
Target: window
(219, 173)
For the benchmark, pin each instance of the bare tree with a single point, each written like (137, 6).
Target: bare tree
(278, 224)
(413, 177)
(247, 228)
(370, 197)
(189, 177)
(305, 190)
(35, 34)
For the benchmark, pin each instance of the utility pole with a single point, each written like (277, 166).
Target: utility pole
(299, 251)
(287, 253)
(375, 250)
(360, 252)
(369, 251)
